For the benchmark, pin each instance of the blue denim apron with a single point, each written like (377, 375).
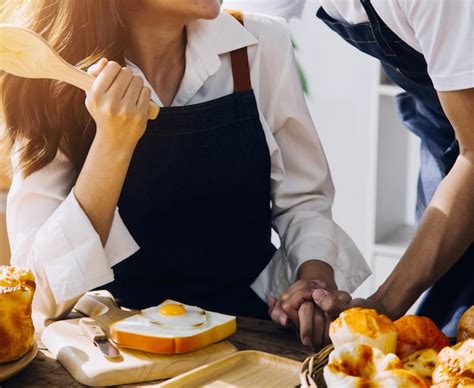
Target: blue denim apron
(197, 200)
(421, 112)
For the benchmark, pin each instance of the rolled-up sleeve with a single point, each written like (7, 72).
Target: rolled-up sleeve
(50, 234)
(302, 191)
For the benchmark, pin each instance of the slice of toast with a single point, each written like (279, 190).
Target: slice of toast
(138, 332)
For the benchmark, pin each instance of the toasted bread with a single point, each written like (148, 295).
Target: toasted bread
(143, 333)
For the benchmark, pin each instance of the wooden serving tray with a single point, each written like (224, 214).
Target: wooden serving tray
(247, 368)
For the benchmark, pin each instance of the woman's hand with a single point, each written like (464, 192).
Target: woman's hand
(118, 102)
(296, 305)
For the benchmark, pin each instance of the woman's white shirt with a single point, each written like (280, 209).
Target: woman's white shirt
(50, 233)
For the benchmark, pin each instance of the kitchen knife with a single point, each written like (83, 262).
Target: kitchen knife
(95, 333)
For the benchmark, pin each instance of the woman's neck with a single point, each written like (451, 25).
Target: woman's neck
(158, 45)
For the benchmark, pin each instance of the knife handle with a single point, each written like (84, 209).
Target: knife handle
(91, 329)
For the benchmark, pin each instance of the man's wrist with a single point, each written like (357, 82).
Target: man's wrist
(317, 270)
(394, 300)
(378, 299)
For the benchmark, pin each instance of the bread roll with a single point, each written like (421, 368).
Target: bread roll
(423, 363)
(364, 326)
(455, 366)
(359, 365)
(466, 325)
(17, 334)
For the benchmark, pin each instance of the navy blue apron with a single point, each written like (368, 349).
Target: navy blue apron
(197, 200)
(421, 112)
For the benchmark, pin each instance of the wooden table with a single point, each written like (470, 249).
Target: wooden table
(254, 334)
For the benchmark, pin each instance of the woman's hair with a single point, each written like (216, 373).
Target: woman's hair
(40, 115)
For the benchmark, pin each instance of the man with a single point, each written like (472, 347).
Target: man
(427, 48)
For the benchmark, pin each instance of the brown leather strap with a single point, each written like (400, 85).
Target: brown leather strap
(240, 61)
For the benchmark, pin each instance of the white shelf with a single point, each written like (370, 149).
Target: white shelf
(389, 90)
(394, 243)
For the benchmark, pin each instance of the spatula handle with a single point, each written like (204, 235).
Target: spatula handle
(84, 81)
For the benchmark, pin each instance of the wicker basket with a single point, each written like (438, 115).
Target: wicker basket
(311, 375)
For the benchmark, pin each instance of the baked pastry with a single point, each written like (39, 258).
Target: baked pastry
(17, 334)
(417, 333)
(172, 327)
(455, 366)
(423, 363)
(364, 326)
(455, 382)
(466, 325)
(359, 365)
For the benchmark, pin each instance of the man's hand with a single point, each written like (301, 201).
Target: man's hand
(335, 302)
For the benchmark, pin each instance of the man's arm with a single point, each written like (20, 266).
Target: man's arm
(446, 229)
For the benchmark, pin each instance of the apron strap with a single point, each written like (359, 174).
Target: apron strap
(240, 61)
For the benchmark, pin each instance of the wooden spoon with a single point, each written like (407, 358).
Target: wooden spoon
(26, 54)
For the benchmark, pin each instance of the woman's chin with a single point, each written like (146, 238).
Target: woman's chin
(209, 9)
(212, 14)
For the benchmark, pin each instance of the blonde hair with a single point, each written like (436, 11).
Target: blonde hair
(45, 115)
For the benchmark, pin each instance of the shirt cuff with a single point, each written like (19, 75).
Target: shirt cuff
(310, 247)
(120, 243)
(71, 252)
(350, 267)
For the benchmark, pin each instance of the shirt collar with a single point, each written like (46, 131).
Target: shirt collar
(207, 39)
(211, 38)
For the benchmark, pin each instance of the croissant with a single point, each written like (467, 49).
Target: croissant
(417, 333)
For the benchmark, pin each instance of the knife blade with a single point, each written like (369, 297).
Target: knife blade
(95, 333)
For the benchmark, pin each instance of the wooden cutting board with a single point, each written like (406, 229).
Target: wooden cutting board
(65, 340)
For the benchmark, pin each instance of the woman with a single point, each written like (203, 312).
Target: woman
(232, 151)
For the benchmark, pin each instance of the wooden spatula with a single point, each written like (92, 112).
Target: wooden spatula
(26, 54)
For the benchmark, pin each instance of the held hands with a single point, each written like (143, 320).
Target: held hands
(118, 102)
(311, 307)
(296, 306)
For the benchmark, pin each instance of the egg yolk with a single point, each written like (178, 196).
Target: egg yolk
(172, 309)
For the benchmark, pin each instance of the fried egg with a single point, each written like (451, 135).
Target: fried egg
(174, 315)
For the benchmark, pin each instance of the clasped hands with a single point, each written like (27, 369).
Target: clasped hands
(312, 303)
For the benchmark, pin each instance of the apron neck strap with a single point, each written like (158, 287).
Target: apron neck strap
(240, 61)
